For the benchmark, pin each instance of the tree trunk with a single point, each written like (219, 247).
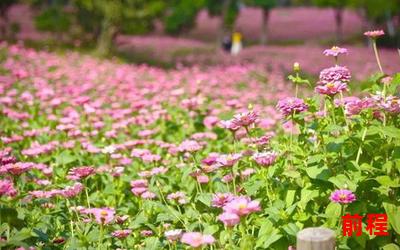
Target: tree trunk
(389, 24)
(106, 37)
(4, 23)
(223, 29)
(339, 22)
(264, 26)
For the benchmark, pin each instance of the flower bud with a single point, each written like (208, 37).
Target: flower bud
(296, 67)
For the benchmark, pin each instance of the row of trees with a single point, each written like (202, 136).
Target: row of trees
(104, 19)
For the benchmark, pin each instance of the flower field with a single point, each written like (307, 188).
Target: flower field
(96, 154)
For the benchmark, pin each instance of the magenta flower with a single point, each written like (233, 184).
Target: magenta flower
(245, 119)
(334, 74)
(195, 239)
(120, 234)
(374, 33)
(291, 105)
(343, 196)
(7, 188)
(229, 219)
(392, 104)
(335, 51)
(220, 199)
(80, 173)
(242, 205)
(265, 159)
(331, 88)
(145, 233)
(71, 191)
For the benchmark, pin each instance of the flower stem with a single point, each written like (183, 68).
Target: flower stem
(377, 55)
(359, 148)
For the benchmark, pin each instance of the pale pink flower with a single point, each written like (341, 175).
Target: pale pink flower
(265, 159)
(335, 51)
(242, 206)
(374, 33)
(245, 119)
(195, 239)
(229, 219)
(173, 235)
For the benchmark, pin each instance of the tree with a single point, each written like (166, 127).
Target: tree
(181, 15)
(228, 10)
(338, 6)
(4, 7)
(109, 18)
(266, 6)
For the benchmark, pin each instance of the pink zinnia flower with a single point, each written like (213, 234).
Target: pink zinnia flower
(7, 188)
(196, 239)
(228, 160)
(120, 234)
(392, 104)
(331, 88)
(335, 51)
(245, 119)
(229, 219)
(374, 33)
(334, 74)
(242, 206)
(291, 105)
(146, 233)
(229, 124)
(265, 158)
(173, 235)
(220, 199)
(342, 196)
(189, 146)
(80, 172)
(101, 215)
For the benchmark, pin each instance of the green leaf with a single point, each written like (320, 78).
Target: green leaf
(162, 217)
(386, 181)
(291, 229)
(391, 246)
(341, 181)
(318, 172)
(393, 212)
(152, 243)
(205, 198)
(391, 131)
(333, 213)
(290, 195)
(41, 235)
(65, 158)
(252, 187)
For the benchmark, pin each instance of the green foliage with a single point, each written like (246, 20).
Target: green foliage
(182, 15)
(53, 19)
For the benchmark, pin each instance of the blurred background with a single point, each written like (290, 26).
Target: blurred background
(193, 32)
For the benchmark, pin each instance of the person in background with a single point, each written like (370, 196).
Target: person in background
(227, 44)
(236, 43)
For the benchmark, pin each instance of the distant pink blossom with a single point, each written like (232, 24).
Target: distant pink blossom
(335, 51)
(374, 33)
(120, 234)
(7, 188)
